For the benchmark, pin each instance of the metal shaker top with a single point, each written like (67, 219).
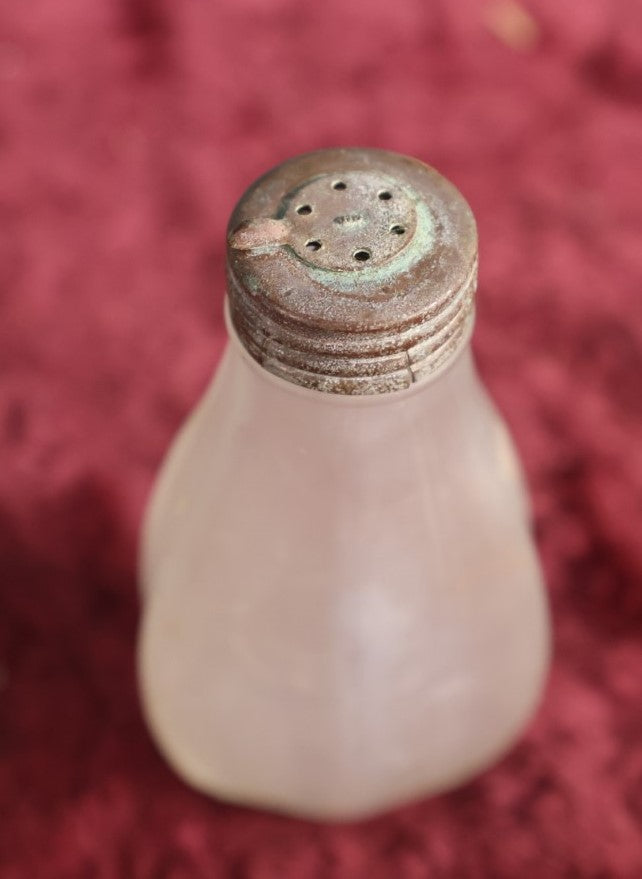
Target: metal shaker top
(352, 271)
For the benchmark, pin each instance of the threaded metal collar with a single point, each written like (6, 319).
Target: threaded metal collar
(352, 271)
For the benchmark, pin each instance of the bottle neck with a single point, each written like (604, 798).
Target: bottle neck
(455, 357)
(440, 385)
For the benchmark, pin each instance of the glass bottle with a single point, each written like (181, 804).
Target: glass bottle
(343, 608)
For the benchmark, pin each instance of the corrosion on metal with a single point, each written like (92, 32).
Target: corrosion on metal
(352, 271)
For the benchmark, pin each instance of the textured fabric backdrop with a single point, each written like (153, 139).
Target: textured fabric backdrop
(127, 131)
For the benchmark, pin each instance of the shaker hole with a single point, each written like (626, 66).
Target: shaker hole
(398, 229)
(385, 195)
(339, 184)
(362, 255)
(313, 244)
(304, 209)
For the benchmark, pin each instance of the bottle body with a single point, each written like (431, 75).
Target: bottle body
(343, 608)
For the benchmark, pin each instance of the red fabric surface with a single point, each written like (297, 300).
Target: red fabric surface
(127, 131)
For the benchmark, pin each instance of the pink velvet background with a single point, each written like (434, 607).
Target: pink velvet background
(127, 131)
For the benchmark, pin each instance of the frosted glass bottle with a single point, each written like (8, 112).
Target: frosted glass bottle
(343, 608)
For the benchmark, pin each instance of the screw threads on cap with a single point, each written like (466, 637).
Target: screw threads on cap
(352, 271)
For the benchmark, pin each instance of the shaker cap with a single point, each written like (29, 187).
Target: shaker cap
(352, 271)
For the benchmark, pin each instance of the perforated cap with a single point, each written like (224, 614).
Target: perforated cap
(352, 271)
